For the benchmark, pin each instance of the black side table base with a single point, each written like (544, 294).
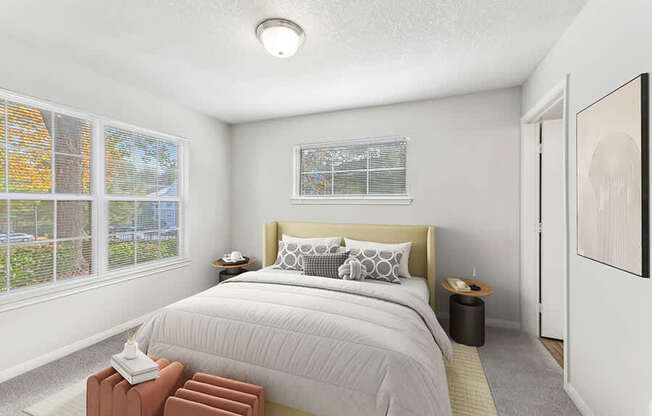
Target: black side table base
(467, 320)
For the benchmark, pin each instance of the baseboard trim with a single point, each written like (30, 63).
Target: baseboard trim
(581, 405)
(492, 322)
(47, 358)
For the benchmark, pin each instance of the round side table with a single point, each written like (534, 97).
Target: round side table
(230, 270)
(467, 313)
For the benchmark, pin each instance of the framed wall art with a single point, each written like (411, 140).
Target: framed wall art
(612, 179)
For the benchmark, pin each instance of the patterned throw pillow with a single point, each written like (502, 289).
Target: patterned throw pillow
(323, 265)
(380, 264)
(290, 255)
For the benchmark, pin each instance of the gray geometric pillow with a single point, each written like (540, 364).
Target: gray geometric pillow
(290, 255)
(380, 264)
(323, 265)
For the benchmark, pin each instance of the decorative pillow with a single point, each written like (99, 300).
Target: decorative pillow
(380, 264)
(323, 265)
(402, 247)
(289, 255)
(352, 269)
(328, 241)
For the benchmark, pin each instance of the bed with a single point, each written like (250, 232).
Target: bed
(319, 346)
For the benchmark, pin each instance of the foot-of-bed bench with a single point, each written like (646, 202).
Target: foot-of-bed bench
(108, 394)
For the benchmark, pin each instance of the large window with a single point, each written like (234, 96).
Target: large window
(367, 169)
(69, 210)
(143, 169)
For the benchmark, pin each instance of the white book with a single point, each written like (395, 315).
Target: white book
(140, 365)
(459, 285)
(134, 379)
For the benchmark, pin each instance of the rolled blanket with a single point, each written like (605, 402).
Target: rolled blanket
(352, 269)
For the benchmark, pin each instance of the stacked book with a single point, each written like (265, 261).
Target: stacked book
(136, 370)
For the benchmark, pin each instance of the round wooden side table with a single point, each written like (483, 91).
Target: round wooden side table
(467, 313)
(230, 270)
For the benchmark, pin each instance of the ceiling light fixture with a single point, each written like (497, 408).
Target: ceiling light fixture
(282, 38)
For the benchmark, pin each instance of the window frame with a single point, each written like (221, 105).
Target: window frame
(368, 199)
(106, 198)
(101, 275)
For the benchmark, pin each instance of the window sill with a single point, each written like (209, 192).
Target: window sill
(28, 297)
(399, 200)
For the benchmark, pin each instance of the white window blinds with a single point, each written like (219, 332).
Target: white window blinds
(144, 170)
(139, 165)
(356, 169)
(81, 196)
(45, 202)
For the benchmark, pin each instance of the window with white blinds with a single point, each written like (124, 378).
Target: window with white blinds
(53, 183)
(144, 170)
(358, 169)
(45, 196)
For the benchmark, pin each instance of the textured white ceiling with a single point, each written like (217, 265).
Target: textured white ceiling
(204, 53)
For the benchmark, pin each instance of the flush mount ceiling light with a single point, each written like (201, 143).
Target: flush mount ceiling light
(282, 38)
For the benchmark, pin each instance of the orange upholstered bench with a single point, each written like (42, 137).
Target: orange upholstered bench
(108, 394)
(207, 395)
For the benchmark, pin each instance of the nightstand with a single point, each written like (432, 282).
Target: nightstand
(230, 270)
(467, 313)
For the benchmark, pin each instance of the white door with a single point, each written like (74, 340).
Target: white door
(552, 230)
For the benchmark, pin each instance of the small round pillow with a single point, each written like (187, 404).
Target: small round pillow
(352, 269)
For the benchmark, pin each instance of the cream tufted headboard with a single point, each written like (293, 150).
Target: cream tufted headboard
(422, 253)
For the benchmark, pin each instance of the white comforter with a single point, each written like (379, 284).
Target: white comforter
(324, 346)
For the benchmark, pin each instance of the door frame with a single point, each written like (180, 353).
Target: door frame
(529, 244)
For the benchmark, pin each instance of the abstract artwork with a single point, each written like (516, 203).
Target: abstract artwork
(612, 179)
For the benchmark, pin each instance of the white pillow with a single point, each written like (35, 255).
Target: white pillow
(325, 241)
(404, 248)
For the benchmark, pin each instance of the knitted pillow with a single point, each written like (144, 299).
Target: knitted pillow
(323, 265)
(380, 264)
(289, 255)
(352, 269)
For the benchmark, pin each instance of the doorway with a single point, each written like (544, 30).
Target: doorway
(551, 231)
(551, 225)
(544, 223)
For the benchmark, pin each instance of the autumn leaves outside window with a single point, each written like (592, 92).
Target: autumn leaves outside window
(372, 168)
(48, 200)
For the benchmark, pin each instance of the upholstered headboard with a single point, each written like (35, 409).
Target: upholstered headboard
(422, 253)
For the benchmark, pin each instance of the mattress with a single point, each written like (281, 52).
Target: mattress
(416, 286)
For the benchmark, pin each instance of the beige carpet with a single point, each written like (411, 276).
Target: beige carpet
(467, 384)
(70, 401)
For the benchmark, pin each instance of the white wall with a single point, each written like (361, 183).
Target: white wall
(609, 340)
(36, 330)
(463, 174)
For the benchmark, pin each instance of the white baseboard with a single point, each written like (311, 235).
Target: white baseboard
(69, 349)
(492, 322)
(581, 405)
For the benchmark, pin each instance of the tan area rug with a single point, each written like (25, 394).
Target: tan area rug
(467, 385)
